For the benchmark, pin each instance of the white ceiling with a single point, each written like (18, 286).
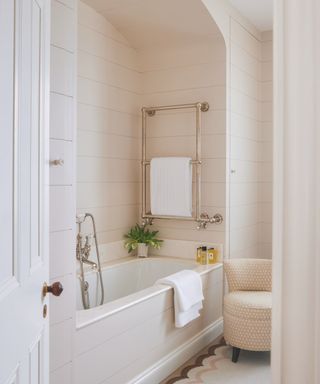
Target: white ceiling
(147, 23)
(259, 12)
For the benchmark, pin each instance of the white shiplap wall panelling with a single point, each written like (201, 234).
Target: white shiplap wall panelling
(62, 191)
(265, 196)
(250, 142)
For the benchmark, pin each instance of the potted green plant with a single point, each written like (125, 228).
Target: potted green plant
(140, 238)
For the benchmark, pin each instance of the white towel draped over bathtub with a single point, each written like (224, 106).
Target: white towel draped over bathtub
(188, 295)
(171, 186)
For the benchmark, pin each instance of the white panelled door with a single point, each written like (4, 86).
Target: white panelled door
(24, 90)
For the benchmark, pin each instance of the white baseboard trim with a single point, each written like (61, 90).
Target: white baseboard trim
(168, 364)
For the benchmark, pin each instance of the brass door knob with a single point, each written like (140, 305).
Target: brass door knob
(55, 288)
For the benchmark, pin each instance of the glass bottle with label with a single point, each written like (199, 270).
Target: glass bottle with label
(198, 257)
(204, 255)
(212, 256)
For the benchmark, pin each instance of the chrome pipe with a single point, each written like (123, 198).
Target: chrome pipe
(144, 178)
(202, 218)
(198, 159)
(91, 263)
(193, 162)
(152, 110)
(82, 254)
(98, 255)
(83, 282)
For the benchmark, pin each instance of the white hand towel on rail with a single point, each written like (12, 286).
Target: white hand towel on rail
(188, 296)
(171, 186)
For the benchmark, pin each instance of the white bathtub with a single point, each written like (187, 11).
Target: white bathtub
(128, 339)
(126, 277)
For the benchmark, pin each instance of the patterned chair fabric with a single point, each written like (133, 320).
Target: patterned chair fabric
(248, 274)
(247, 306)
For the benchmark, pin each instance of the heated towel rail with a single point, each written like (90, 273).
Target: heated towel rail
(201, 218)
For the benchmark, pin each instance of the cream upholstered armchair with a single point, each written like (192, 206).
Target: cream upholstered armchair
(247, 306)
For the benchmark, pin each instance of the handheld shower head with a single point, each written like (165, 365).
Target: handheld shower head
(80, 218)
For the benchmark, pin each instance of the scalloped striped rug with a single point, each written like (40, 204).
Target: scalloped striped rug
(216, 367)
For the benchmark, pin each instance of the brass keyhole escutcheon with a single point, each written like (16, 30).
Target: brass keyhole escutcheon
(45, 311)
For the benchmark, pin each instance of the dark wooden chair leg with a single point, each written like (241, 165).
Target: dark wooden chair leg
(235, 354)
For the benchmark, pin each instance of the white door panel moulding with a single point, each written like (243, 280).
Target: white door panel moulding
(24, 171)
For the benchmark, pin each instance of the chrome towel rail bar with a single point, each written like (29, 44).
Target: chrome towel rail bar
(201, 218)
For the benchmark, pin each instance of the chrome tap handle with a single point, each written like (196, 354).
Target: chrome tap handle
(89, 239)
(80, 240)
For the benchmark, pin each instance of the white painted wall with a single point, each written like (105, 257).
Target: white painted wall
(62, 188)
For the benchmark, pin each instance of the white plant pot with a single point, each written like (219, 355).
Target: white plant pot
(142, 250)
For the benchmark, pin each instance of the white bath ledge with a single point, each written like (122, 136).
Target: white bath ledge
(125, 260)
(87, 317)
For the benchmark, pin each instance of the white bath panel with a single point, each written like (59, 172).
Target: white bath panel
(121, 350)
(91, 336)
(178, 356)
(138, 330)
